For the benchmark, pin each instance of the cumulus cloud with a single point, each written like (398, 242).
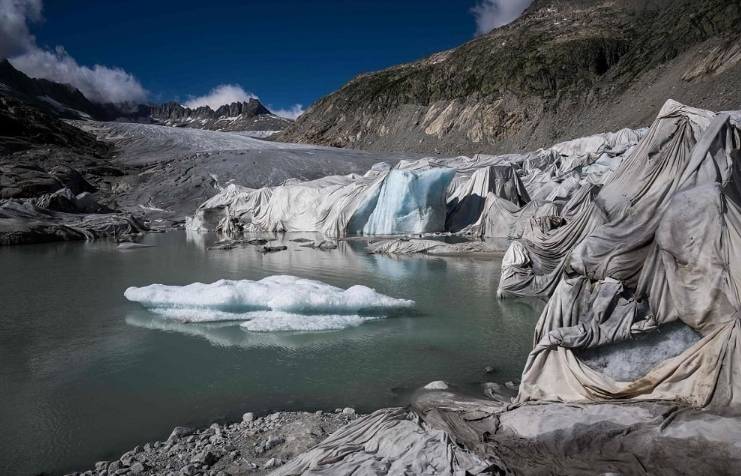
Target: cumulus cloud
(490, 14)
(221, 95)
(98, 83)
(290, 113)
(15, 38)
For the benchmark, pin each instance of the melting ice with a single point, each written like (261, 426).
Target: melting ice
(275, 303)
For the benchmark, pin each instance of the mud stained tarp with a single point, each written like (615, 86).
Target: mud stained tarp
(668, 249)
(389, 441)
(636, 438)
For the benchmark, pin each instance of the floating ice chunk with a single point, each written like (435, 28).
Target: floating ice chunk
(411, 202)
(273, 303)
(269, 321)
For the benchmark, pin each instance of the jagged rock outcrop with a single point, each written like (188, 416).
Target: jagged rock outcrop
(565, 69)
(238, 116)
(65, 101)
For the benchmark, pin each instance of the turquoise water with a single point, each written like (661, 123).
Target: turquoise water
(86, 375)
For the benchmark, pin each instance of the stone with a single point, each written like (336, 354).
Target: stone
(179, 432)
(248, 417)
(272, 463)
(436, 385)
(348, 411)
(101, 465)
(273, 441)
(272, 249)
(127, 459)
(206, 458)
(488, 369)
(188, 470)
(137, 468)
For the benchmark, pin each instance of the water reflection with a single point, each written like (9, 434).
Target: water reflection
(77, 360)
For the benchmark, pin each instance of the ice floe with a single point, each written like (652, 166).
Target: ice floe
(275, 303)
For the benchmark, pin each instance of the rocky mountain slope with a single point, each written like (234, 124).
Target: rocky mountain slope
(56, 181)
(566, 68)
(238, 116)
(64, 101)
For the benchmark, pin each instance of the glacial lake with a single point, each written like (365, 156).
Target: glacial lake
(86, 374)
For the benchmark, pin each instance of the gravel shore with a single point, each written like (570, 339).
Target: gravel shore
(254, 446)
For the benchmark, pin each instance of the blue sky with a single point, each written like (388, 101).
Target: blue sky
(286, 52)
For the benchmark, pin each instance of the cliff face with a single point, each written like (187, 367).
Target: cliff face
(565, 69)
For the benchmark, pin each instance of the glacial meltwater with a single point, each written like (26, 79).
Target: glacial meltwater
(86, 374)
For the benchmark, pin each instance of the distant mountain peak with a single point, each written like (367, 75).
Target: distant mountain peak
(250, 115)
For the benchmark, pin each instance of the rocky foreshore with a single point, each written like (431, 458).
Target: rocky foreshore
(255, 445)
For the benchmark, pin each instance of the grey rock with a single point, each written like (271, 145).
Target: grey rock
(137, 468)
(179, 432)
(273, 441)
(437, 385)
(206, 458)
(272, 249)
(248, 417)
(348, 411)
(188, 470)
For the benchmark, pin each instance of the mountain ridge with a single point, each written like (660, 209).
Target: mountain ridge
(566, 68)
(66, 102)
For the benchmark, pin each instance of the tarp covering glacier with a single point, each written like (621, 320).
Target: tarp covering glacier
(663, 247)
(634, 239)
(622, 232)
(507, 196)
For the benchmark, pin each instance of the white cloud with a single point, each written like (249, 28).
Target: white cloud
(15, 38)
(221, 95)
(98, 83)
(490, 14)
(290, 113)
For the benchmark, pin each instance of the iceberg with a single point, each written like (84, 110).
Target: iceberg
(273, 303)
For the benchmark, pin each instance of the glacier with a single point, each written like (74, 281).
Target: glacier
(505, 196)
(273, 303)
(410, 202)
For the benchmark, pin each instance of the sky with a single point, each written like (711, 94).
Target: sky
(289, 53)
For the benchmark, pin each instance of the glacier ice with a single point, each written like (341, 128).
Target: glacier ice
(274, 303)
(270, 321)
(410, 202)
